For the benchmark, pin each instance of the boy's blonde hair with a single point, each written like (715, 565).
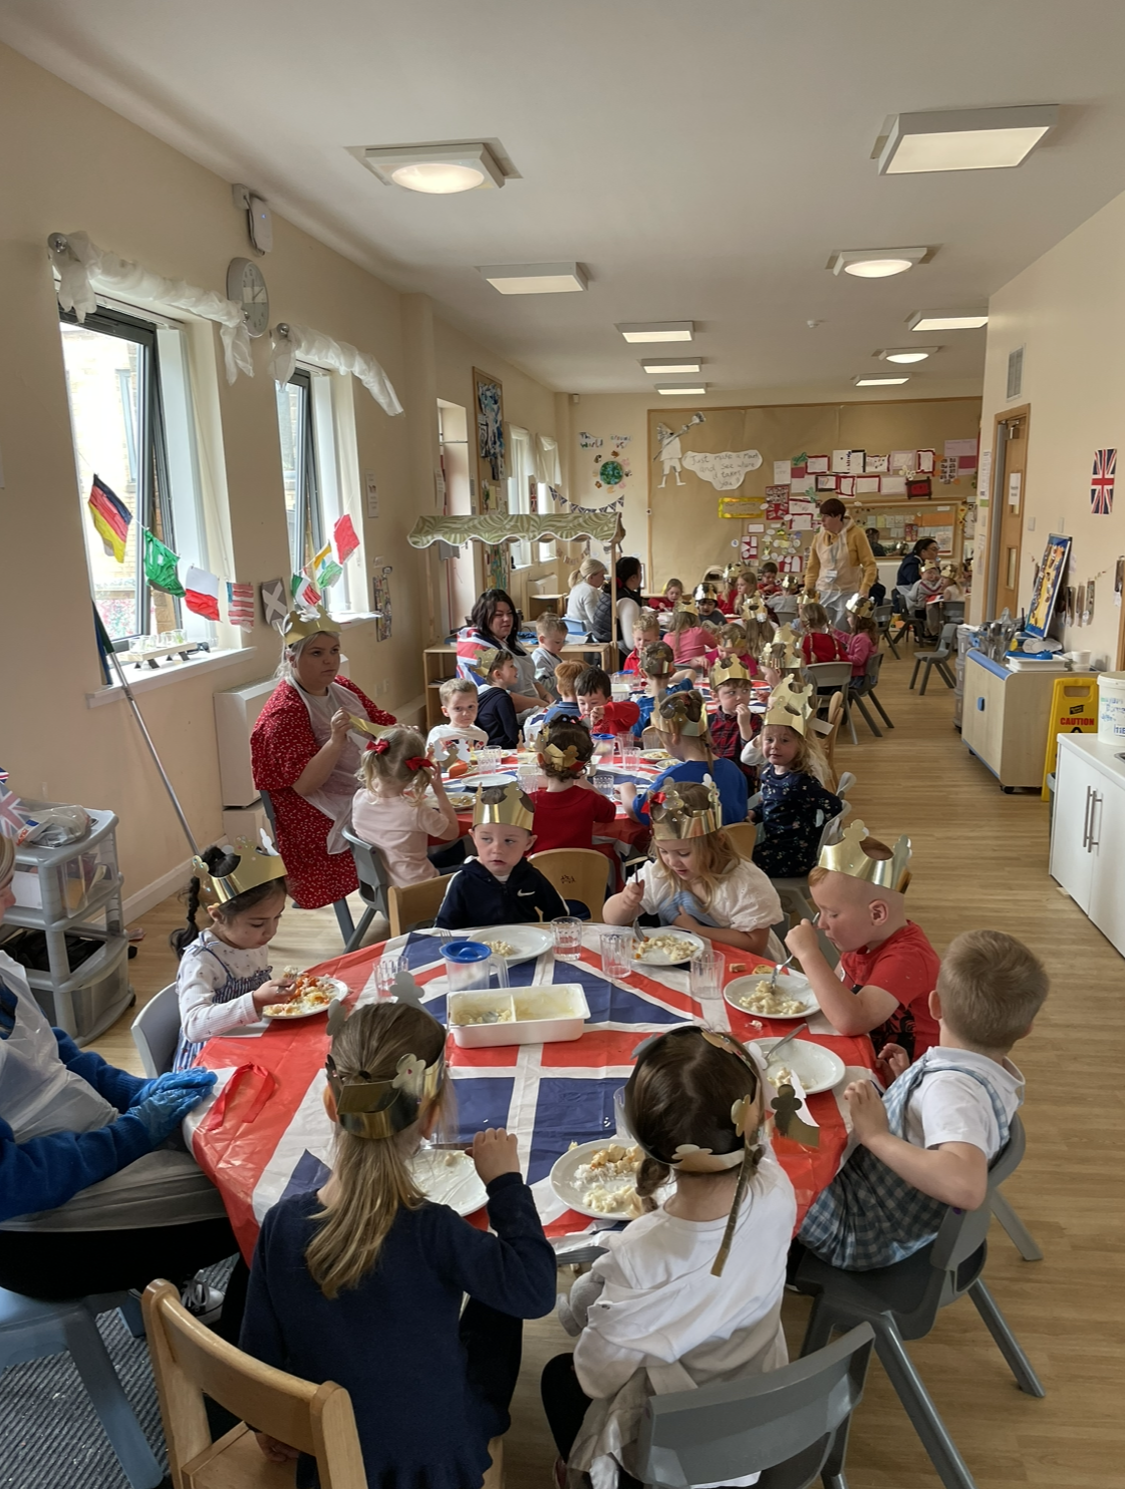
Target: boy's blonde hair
(550, 624)
(733, 633)
(647, 621)
(384, 762)
(716, 855)
(453, 685)
(810, 758)
(566, 675)
(991, 987)
(814, 617)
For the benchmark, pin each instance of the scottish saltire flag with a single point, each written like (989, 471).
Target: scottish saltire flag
(111, 518)
(1102, 479)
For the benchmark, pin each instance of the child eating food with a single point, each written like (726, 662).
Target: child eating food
(459, 705)
(568, 808)
(795, 802)
(732, 723)
(596, 707)
(499, 886)
(390, 810)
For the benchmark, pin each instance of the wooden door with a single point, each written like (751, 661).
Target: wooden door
(1011, 499)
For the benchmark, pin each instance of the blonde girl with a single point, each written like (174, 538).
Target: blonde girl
(646, 632)
(820, 642)
(686, 636)
(673, 594)
(744, 590)
(795, 802)
(361, 1281)
(390, 810)
(682, 722)
(585, 591)
(697, 879)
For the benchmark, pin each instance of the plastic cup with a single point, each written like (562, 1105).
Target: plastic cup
(706, 975)
(631, 757)
(387, 969)
(617, 953)
(620, 1126)
(568, 938)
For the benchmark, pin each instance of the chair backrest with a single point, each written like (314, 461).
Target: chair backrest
(369, 866)
(743, 836)
(156, 1031)
(725, 1431)
(824, 675)
(577, 873)
(189, 1361)
(882, 615)
(267, 807)
(953, 610)
(948, 641)
(872, 670)
(409, 905)
(963, 1232)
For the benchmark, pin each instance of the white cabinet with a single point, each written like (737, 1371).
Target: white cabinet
(1004, 719)
(1088, 831)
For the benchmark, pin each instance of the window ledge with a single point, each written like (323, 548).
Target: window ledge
(362, 618)
(147, 681)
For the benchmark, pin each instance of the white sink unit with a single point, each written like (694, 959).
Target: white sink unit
(1088, 831)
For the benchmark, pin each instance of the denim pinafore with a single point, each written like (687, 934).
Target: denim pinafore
(226, 992)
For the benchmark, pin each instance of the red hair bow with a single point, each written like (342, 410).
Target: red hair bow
(380, 746)
(657, 798)
(416, 763)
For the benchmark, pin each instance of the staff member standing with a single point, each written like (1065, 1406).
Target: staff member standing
(841, 563)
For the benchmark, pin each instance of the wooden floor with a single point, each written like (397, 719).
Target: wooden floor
(979, 860)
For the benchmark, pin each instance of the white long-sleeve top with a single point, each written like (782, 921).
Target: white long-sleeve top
(582, 603)
(203, 971)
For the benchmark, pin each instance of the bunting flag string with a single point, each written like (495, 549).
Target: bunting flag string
(111, 518)
(240, 604)
(160, 565)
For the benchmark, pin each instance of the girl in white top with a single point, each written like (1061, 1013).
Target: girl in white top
(691, 1292)
(585, 592)
(390, 810)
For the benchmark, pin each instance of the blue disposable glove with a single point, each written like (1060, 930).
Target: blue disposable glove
(162, 1113)
(175, 1080)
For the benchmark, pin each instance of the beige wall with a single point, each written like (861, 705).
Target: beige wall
(67, 163)
(1068, 311)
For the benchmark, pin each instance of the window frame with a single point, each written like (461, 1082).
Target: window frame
(522, 449)
(306, 469)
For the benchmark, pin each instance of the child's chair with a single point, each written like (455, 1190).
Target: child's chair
(577, 873)
(156, 1031)
(828, 678)
(864, 687)
(410, 905)
(374, 881)
(189, 1361)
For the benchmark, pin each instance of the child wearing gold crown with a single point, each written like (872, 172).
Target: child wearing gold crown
(682, 722)
(658, 668)
(698, 880)
(928, 1141)
(888, 969)
(690, 1293)
(568, 808)
(224, 977)
(732, 723)
(795, 802)
(362, 1281)
(498, 886)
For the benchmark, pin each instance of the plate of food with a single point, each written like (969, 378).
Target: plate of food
(447, 1176)
(472, 780)
(311, 995)
(653, 755)
(515, 943)
(815, 1067)
(600, 1179)
(460, 800)
(790, 998)
(666, 947)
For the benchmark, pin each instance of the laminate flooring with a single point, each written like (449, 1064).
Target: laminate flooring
(980, 859)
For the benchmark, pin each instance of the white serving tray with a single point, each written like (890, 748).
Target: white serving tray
(539, 1015)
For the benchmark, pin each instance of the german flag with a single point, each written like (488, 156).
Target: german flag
(111, 518)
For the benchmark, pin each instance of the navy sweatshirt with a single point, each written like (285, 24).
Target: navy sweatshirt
(475, 897)
(496, 715)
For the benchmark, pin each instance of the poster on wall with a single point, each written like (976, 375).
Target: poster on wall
(670, 451)
(726, 470)
(1047, 585)
(488, 398)
(381, 603)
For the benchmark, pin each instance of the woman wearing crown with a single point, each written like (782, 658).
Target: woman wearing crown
(305, 751)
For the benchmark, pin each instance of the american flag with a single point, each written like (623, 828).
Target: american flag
(1102, 479)
(240, 604)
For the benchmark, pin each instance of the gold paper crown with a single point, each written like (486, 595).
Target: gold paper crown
(791, 583)
(783, 651)
(378, 1109)
(790, 704)
(567, 759)
(860, 605)
(732, 671)
(672, 716)
(252, 866)
(685, 606)
(674, 821)
(484, 660)
(732, 571)
(299, 626)
(506, 805)
(755, 609)
(706, 591)
(367, 726)
(848, 857)
(657, 660)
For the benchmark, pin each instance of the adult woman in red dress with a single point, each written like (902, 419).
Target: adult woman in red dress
(305, 753)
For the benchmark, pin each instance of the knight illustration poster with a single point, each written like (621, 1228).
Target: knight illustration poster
(488, 400)
(1047, 586)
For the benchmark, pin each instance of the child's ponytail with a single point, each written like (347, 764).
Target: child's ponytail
(180, 940)
(220, 861)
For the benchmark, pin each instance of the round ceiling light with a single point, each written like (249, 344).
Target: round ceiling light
(906, 356)
(878, 268)
(437, 178)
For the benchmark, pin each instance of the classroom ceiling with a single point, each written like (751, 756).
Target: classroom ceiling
(702, 160)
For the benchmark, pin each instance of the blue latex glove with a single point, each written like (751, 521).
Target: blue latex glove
(175, 1080)
(163, 1112)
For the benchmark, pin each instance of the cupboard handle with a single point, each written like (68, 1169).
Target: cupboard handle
(1095, 801)
(1086, 822)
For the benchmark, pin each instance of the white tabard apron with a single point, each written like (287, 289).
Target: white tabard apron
(334, 798)
(40, 1096)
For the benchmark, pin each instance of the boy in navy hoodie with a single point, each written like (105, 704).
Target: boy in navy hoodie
(499, 886)
(496, 713)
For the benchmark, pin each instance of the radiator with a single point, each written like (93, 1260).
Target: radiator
(236, 713)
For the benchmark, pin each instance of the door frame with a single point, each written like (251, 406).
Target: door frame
(998, 498)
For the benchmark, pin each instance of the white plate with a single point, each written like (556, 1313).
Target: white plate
(460, 800)
(447, 1177)
(789, 985)
(529, 940)
(569, 1191)
(661, 958)
(817, 1069)
(339, 990)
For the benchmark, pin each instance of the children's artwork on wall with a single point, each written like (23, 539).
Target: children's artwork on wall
(381, 603)
(619, 441)
(240, 604)
(612, 472)
(670, 452)
(201, 593)
(1088, 612)
(876, 464)
(488, 395)
(344, 535)
(496, 571)
(1103, 476)
(275, 601)
(726, 470)
(588, 441)
(947, 471)
(1047, 586)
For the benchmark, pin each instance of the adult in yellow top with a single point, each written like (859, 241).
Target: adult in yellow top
(841, 563)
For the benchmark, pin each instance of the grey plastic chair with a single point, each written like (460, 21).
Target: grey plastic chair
(156, 1031)
(901, 1302)
(1018, 1233)
(374, 881)
(31, 1329)
(791, 1425)
(831, 677)
(343, 913)
(864, 687)
(883, 616)
(946, 648)
(795, 895)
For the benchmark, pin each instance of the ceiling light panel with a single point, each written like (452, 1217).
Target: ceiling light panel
(907, 353)
(655, 331)
(876, 263)
(535, 279)
(963, 139)
(436, 170)
(879, 382)
(681, 389)
(676, 364)
(947, 320)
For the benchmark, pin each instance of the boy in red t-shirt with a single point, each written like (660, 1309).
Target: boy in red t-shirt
(598, 711)
(567, 808)
(888, 969)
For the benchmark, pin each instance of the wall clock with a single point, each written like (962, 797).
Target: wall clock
(247, 287)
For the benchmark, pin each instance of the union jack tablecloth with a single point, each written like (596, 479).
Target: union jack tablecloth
(265, 1134)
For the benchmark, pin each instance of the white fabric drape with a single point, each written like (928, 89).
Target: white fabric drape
(84, 268)
(291, 341)
(547, 460)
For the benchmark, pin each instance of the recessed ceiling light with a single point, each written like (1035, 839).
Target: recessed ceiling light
(962, 139)
(534, 279)
(677, 364)
(879, 382)
(670, 389)
(907, 353)
(947, 320)
(438, 170)
(876, 263)
(657, 330)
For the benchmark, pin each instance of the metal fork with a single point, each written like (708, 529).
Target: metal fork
(778, 966)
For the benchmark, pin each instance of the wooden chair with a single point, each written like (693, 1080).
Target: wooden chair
(577, 873)
(743, 836)
(412, 904)
(189, 1361)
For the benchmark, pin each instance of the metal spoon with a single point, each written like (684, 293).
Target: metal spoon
(771, 1056)
(779, 965)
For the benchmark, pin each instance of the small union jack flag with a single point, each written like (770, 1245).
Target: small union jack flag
(1102, 479)
(12, 822)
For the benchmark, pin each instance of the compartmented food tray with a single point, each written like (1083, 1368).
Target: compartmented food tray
(532, 1015)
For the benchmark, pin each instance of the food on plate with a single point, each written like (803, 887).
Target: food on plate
(738, 966)
(500, 948)
(458, 768)
(765, 1000)
(608, 1181)
(674, 947)
(488, 1016)
(310, 994)
(779, 1075)
(460, 800)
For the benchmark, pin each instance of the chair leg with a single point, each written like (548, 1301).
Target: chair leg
(871, 724)
(925, 681)
(1006, 1341)
(832, 1474)
(1025, 1243)
(818, 1330)
(951, 1467)
(848, 717)
(132, 1317)
(891, 643)
(914, 675)
(110, 1402)
(355, 940)
(946, 676)
(344, 919)
(883, 714)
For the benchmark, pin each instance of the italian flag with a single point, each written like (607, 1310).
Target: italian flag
(201, 593)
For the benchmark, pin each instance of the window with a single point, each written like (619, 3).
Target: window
(133, 426)
(549, 474)
(519, 487)
(299, 469)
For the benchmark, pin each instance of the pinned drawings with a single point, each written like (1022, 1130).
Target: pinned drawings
(671, 453)
(588, 441)
(275, 601)
(381, 603)
(344, 534)
(726, 470)
(240, 604)
(489, 396)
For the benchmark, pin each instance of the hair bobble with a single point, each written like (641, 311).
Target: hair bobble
(416, 763)
(378, 746)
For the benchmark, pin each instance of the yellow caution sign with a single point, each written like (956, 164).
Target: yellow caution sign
(1074, 710)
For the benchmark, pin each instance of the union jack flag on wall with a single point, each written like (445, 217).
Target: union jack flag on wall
(1102, 479)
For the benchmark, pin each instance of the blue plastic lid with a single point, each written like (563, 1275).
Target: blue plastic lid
(466, 951)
